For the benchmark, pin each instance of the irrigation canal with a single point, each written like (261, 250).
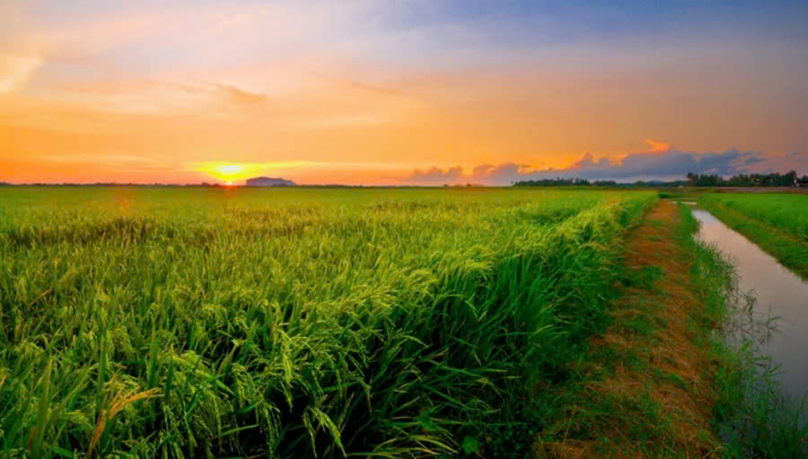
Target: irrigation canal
(779, 293)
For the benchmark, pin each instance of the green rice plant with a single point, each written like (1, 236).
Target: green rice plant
(294, 322)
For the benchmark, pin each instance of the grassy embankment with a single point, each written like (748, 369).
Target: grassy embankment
(778, 223)
(751, 414)
(662, 380)
(645, 388)
(391, 323)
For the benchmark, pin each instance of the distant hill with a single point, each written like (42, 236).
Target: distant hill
(269, 181)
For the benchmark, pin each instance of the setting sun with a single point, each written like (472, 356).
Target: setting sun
(232, 173)
(111, 91)
(229, 169)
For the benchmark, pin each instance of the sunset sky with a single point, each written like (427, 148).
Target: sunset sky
(399, 92)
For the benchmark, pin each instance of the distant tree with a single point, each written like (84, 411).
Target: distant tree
(743, 180)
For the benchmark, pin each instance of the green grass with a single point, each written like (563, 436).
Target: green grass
(787, 212)
(752, 415)
(778, 223)
(299, 322)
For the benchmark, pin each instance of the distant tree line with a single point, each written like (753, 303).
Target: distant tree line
(744, 180)
(558, 181)
(700, 180)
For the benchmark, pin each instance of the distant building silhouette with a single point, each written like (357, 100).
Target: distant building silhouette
(269, 181)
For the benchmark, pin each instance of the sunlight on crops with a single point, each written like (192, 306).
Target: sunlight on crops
(292, 322)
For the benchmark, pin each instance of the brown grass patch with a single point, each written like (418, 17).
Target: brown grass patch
(668, 366)
(118, 403)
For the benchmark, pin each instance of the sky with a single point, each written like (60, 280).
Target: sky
(407, 92)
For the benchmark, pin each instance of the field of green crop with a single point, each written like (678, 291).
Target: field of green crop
(778, 223)
(296, 322)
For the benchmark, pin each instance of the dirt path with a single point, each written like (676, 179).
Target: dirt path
(644, 392)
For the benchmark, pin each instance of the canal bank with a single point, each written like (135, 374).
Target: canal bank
(753, 414)
(776, 293)
(662, 381)
(646, 387)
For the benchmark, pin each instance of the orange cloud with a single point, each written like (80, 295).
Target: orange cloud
(15, 71)
(658, 146)
(240, 96)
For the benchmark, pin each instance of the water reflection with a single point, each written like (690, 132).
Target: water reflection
(779, 293)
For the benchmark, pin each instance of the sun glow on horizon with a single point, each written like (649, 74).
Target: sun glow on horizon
(230, 173)
(98, 91)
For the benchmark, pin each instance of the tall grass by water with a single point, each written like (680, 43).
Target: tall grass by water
(752, 413)
(301, 322)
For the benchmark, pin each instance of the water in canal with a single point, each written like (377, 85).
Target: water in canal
(779, 293)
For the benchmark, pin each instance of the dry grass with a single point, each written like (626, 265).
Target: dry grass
(117, 404)
(683, 396)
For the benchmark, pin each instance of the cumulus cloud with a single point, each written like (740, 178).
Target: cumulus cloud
(652, 165)
(795, 160)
